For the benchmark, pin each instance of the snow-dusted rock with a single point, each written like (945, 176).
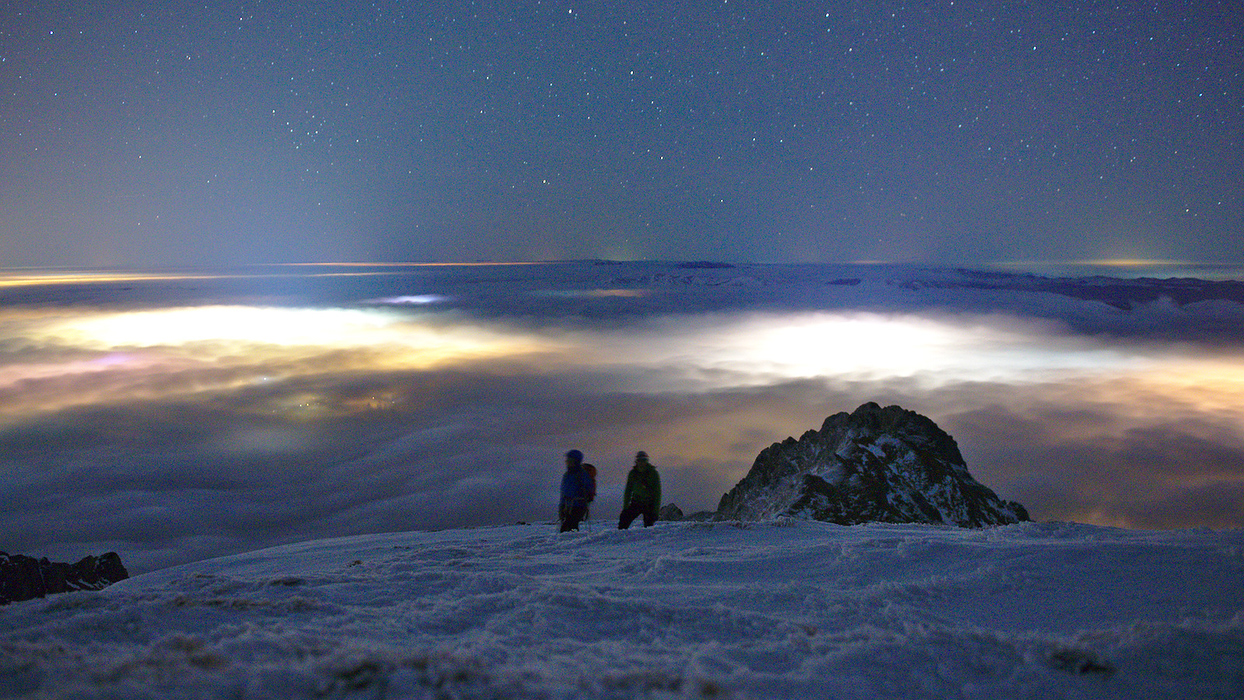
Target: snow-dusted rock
(874, 465)
(23, 577)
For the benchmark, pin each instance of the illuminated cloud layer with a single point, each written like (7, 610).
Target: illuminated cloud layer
(176, 432)
(167, 353)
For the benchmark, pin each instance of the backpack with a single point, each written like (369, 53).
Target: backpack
(590, 471)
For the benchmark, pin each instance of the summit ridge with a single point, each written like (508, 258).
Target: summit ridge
(872, 465)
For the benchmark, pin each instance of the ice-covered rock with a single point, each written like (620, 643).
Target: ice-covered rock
(874, 465)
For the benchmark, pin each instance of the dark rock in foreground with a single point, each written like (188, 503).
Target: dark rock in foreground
(670, 512)
(874, 465)
(23, 577)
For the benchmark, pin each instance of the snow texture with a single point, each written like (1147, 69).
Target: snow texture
(777, 609)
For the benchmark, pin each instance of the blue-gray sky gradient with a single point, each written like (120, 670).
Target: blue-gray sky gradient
(139, 133)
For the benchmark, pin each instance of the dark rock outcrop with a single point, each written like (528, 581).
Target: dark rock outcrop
(670, 512)
(874, 465)
(23, 577)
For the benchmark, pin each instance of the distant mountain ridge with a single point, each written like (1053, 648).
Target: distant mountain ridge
(872, 465)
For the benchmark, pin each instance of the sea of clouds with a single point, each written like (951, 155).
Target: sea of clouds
(173, 417)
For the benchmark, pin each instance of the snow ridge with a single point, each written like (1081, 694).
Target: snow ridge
(784, 609)
(873, 465)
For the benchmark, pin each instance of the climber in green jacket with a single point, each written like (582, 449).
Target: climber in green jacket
(642, 494)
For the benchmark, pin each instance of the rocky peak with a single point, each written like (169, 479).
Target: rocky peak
(872, 465)
(23, 577)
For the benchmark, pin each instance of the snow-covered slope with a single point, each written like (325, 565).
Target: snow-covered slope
(784, 609)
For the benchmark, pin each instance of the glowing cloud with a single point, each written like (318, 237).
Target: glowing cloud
(163, 352)
(121, 356)
(715, 352)
(270, 326)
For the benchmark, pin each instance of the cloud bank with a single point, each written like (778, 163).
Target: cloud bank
(181, 431)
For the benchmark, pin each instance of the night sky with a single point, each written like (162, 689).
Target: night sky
(141, 134)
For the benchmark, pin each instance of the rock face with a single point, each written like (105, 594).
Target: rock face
(670, 512)
(23, 578)
(874, 465)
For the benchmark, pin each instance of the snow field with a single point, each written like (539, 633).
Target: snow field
(780, 609)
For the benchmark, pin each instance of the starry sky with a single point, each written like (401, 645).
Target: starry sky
(230, 133)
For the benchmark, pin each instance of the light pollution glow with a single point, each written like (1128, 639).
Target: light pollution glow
(231, 346)
(38, 277)
(169, 353)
